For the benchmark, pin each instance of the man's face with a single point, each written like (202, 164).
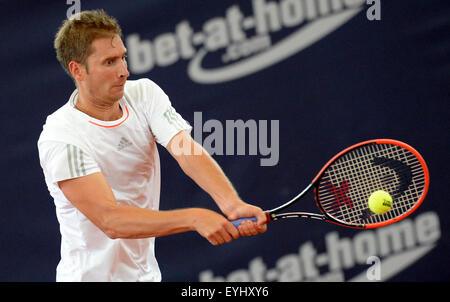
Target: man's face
(106, 70)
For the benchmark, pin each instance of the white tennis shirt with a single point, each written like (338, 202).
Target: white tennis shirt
(73, 144)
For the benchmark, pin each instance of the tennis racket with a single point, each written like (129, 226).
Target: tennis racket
(343, 186)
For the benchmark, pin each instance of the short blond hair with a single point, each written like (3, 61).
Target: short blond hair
(74, 37)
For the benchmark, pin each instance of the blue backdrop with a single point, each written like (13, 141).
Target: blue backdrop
(328, 74)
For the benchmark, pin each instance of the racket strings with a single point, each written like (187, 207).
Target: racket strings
(347, 184)
(389, 187)
(346, 168)
(400, 205)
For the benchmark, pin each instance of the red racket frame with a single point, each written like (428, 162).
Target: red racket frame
(316, 181)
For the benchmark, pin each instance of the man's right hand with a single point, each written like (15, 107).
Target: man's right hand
(213, 226)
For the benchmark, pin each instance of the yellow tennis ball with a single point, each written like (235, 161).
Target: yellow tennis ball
(380, 202)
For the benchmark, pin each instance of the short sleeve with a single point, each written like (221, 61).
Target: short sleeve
(62, 161)
(165, 122)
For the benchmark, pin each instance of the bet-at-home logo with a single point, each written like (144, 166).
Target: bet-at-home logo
(370, 255)
(239, 44)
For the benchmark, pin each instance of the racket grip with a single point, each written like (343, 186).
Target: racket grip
(238, 222)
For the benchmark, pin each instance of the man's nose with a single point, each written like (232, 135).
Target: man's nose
(123, 71)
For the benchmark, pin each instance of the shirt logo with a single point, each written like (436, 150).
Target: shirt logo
(123, 144)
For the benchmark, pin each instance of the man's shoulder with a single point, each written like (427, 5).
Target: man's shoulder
(58, 117)
(139, 83)
(143, 88)
(137, 86)
(58, 125)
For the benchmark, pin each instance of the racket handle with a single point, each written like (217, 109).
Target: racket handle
(238, 222)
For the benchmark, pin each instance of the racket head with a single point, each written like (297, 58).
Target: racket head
(343, 186)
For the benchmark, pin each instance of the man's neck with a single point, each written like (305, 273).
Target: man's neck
(99, 110)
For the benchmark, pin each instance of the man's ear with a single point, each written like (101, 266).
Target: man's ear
(77, 70)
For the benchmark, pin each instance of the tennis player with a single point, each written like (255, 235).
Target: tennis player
(100, 161)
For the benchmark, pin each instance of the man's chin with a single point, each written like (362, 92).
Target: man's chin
(117, 93)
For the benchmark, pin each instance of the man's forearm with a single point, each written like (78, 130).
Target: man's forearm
(92, 195)
(204, 170)
(132, 222)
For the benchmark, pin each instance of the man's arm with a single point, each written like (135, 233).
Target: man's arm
(93, 196)
(204, 170)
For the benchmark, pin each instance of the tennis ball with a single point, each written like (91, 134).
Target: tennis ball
(380, 202)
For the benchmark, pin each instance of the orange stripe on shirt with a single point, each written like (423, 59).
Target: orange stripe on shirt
(112, 126)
